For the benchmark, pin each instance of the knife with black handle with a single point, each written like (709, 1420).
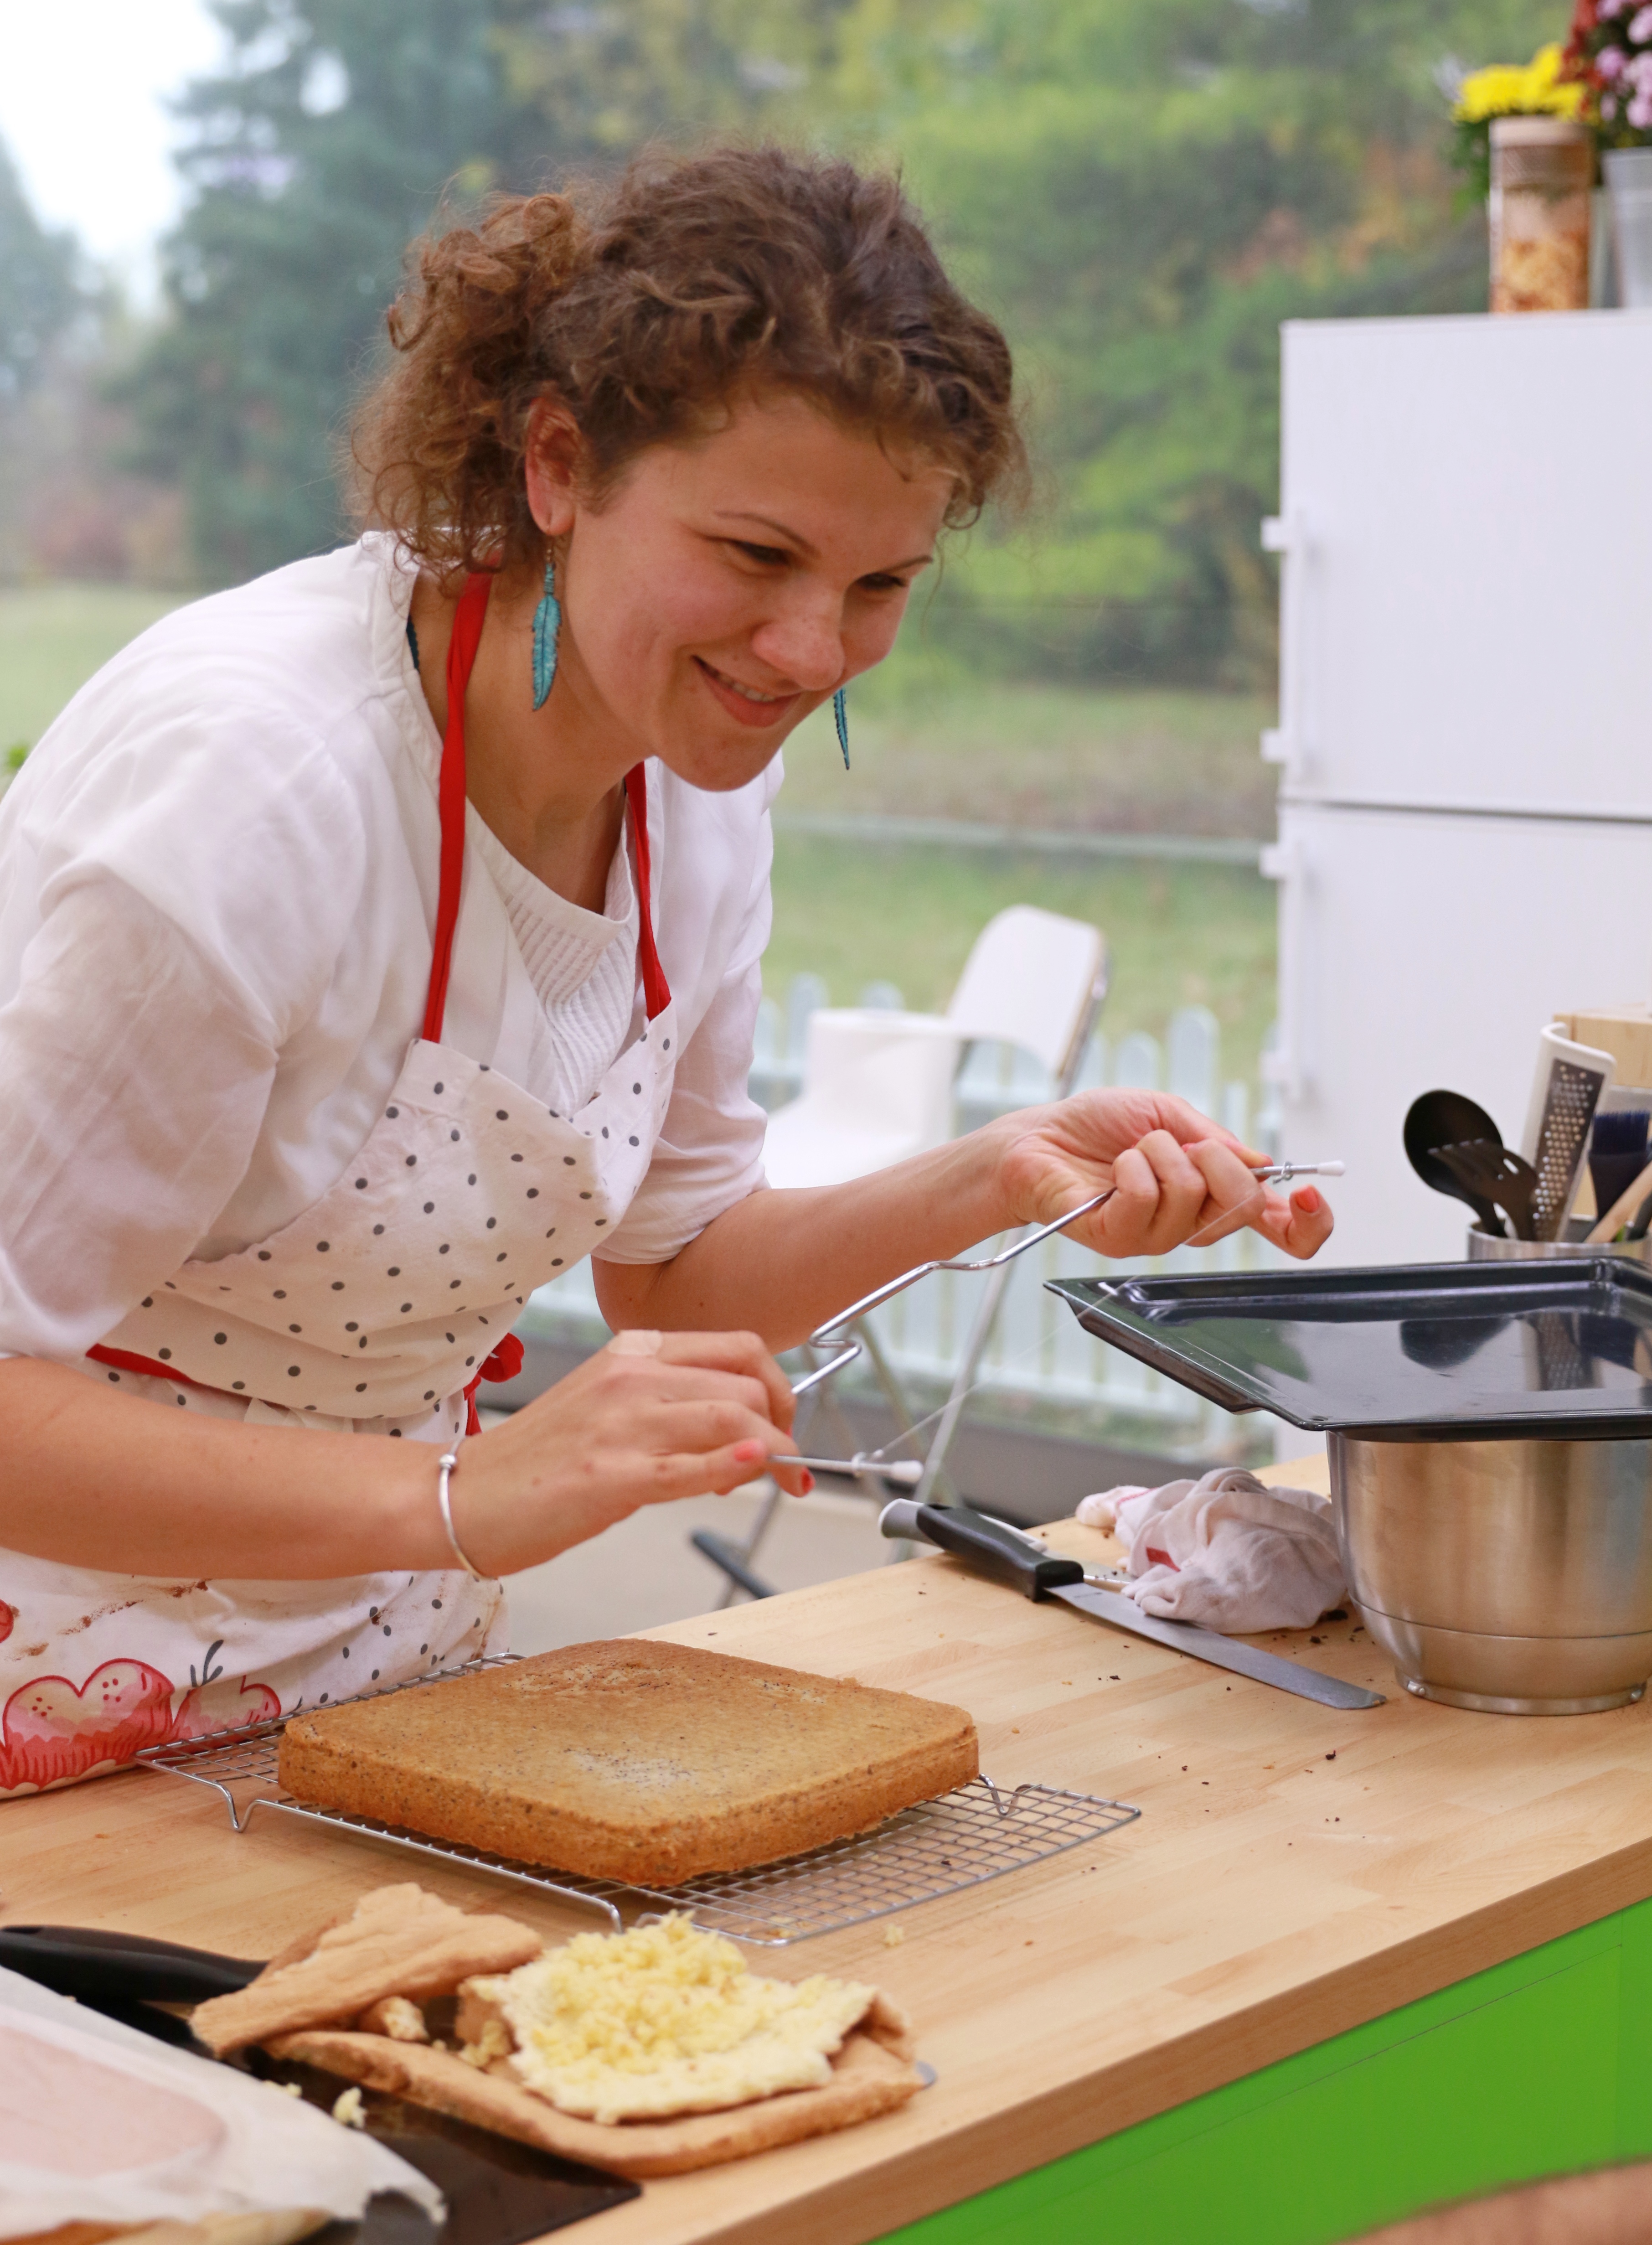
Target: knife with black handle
(90, 1964)
(994, 1548)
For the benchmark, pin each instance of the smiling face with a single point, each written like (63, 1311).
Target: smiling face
(730, 585)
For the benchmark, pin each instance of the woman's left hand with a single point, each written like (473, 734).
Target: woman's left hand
(1178, 1177)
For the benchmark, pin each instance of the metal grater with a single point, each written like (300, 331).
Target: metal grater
(1569, 1101)
(1563, 1365)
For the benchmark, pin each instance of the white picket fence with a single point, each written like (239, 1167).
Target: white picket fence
(1039, 1352)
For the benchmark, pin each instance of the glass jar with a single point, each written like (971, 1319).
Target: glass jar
(1542, 183)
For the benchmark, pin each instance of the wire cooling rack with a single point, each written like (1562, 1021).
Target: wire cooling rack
(977, 1832)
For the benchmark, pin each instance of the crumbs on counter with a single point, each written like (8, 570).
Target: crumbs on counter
(348, 2110)
(893, 1937)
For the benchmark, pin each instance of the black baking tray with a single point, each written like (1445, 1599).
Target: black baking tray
(1416, 1351)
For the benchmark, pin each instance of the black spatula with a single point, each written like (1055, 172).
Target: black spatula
(1506, 1178)
(1446, 1118)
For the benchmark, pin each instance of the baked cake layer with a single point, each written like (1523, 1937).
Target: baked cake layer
(627, 1760)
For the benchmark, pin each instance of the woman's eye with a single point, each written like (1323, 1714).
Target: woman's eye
(768, 556)
(886, 584)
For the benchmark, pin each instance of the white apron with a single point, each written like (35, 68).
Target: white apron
(376, 1311)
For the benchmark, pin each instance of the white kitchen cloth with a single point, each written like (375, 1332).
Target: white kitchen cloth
(1225, 1551)
(101, 2124)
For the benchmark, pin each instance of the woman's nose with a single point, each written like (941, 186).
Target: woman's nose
(805, 645)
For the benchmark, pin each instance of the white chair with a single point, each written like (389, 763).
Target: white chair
(877, 1087)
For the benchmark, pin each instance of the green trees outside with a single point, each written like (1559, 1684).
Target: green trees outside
(1141, 190)
(39, 291)
(314, 159)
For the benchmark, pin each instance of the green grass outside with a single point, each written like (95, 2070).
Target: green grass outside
(927, 741)
(1180, 934)
(924, 743)
(52, 637)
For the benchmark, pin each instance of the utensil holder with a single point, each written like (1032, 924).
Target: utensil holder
(1486, 1247)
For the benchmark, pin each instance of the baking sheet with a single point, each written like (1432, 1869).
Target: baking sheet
(1553, 1350)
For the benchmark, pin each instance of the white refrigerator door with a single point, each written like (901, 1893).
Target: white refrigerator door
(1423, 950)
(1466, 528)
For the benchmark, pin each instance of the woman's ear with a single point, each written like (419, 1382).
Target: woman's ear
(549, 463)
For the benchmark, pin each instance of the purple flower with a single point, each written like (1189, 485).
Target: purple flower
(1641, 26)
(1608, 8)
(1638, 70)
(1640, 111)
(1609, 63)
(1608, 105)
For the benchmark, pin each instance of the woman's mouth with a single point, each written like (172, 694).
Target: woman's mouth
(747, 703)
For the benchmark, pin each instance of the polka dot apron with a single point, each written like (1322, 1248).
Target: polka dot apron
(378, 1310)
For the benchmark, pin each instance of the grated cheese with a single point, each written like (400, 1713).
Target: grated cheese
(663, 2019)
(348, 2110)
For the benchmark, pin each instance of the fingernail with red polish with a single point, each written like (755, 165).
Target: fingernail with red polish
(809, 1483)
(747, 1453)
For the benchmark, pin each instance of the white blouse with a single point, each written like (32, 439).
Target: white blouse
(583, 966)
(218, 885)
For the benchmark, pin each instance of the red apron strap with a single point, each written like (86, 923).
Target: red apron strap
(467, 637)
(122, 1359)
(656, 991)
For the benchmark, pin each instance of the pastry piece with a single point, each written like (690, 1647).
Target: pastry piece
(630, 1760)
(867, 2079)
(398, 1941)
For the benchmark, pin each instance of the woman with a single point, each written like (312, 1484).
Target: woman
(379, 938)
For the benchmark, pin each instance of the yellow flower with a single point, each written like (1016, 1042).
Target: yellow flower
(1534, 89)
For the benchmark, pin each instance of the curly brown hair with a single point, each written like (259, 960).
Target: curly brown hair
(648, 304)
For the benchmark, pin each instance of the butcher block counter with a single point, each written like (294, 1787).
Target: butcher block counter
(1343, 1965)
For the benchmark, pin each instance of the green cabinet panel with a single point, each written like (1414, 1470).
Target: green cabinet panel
(1535, 2067)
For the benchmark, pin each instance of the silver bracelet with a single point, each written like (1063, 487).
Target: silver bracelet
(445, 1464)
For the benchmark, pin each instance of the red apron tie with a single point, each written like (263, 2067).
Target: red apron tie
(503, 1364)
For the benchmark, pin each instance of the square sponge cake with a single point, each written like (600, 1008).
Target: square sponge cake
(630, 1761)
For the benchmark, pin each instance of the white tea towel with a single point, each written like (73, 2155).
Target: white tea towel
(100, 2124)
(1225, 1551)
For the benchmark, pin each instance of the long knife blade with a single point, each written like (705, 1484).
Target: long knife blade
(1210, 1645)
(996, 1548)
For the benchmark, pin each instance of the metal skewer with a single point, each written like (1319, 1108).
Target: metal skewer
(907, 1471)
(832, 1334)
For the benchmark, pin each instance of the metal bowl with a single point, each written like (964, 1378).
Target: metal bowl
(1511, 1577)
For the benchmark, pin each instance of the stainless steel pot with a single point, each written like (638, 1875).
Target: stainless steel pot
(1511, 1577)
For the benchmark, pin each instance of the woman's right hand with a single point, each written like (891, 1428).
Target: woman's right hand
(650, 1418)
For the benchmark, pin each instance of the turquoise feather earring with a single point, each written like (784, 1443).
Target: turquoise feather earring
(547, 629)
(840, 711)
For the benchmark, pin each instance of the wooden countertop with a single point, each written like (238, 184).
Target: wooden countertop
(1295, 1872)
